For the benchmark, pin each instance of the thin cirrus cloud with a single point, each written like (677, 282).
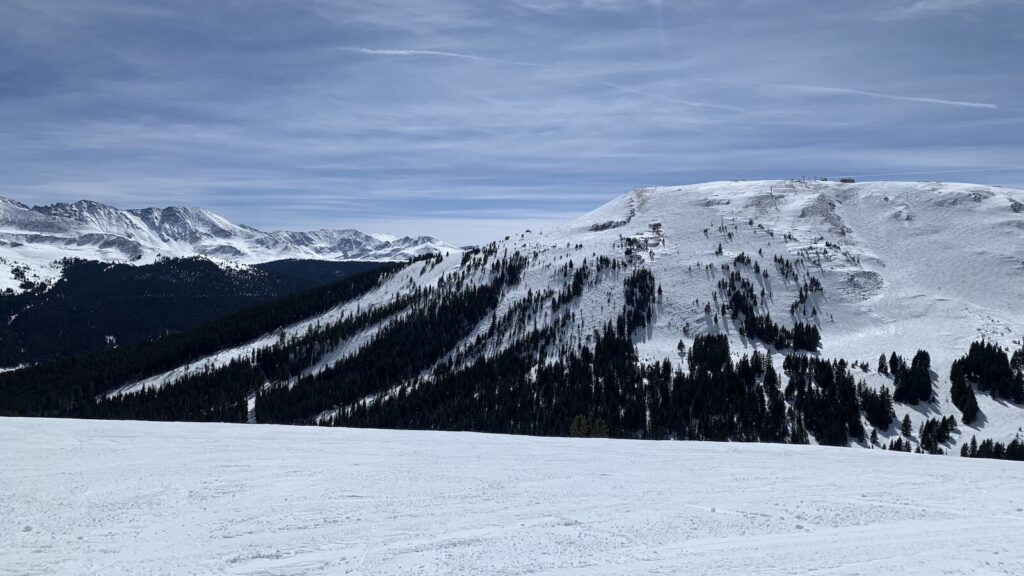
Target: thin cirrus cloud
(459, 55)
(920, 8)
(467, 119)
(438, 53)
(832, 90)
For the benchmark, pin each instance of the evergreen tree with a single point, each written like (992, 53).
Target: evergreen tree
(894, 363)
(906, 427)
(920, 375)
(877, 406)
(988, 366)
(962, 393)
(912, 383)
(580, 427)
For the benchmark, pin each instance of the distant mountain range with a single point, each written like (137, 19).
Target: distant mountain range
(31, 238)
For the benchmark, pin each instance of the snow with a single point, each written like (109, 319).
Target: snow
(919, 265)
(37, 237)
(948, 275)
(137, 498)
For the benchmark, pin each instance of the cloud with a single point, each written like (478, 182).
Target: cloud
(936, 7)
(872, 94)
(455, 112)
(441, 53)
(671, 100)
(613, 85)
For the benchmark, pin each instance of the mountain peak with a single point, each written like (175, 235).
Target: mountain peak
(9, 203)
(184, 224)
(76, 209)
(91, 230)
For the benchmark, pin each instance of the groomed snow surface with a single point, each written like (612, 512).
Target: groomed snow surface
(109, 498)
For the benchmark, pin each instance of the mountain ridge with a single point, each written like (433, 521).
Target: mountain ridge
(33, 238)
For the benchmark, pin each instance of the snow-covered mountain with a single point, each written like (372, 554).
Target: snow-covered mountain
(874, 268)
(32, 238)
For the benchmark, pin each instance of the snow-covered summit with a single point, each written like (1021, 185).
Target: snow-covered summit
(901, 262)
(903, 266)
(32, 238)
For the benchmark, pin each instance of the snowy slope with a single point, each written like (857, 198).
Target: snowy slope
(135, 498)
(923, 265)
(912, 265)
(32, 238)
(904, 266)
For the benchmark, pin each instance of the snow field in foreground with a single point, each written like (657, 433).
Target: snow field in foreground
(108, 498)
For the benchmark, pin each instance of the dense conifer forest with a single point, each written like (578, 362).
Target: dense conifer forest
(99, 305)
(69, 387)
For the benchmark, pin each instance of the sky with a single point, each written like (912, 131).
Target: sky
(472, 119)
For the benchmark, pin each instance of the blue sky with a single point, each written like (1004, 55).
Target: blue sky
(470, 119)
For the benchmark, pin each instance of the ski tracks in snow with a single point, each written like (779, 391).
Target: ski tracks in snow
(157, 498)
